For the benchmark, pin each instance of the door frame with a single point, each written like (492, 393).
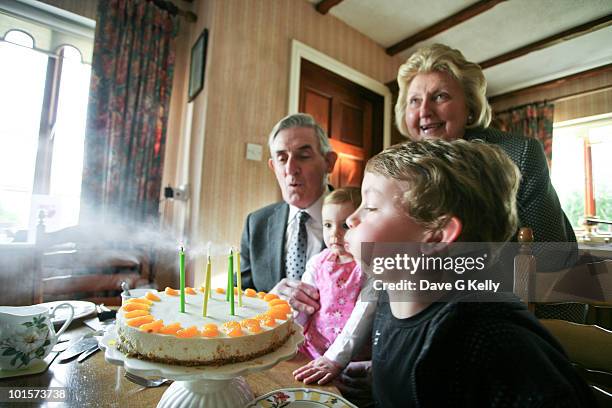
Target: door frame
(301, 51)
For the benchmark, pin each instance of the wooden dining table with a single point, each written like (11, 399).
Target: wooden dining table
(95, 382)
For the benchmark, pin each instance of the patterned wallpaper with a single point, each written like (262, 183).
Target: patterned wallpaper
(245, 94)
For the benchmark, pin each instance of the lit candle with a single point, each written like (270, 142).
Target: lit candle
(182, 277)
(230, 277)
(208, 282)
(207, 288)
(239, 279)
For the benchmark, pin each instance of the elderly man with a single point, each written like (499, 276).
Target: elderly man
(277, 240)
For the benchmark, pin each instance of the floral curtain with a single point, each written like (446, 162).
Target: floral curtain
(532, 120)
(129, 97)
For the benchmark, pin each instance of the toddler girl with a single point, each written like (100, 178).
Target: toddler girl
(343, 323)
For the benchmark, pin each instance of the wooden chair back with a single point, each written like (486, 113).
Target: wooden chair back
(589, 348)
(572, 318)
(77, 264)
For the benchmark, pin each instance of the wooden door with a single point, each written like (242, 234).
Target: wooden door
(351, 115)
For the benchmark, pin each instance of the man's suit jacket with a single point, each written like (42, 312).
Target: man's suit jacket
(261, 247)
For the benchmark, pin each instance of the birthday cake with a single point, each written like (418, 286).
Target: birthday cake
(153, 328)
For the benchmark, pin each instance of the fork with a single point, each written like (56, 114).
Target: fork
(144, 382)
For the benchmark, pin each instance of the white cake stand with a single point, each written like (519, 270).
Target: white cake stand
(203, 386)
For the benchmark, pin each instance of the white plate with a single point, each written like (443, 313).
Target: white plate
(81, 309)
(300, 398)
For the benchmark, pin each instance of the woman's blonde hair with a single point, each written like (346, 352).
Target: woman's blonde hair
(344, 195)
(439, 57)
(473, 181)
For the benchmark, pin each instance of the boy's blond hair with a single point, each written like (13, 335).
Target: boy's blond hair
(473, 181)
(344, 195)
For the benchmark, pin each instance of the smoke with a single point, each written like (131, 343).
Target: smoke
(17, 275)
(98, 244)
(101, 238)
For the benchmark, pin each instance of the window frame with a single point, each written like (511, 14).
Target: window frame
(590, 201)
(47, 121)
(48, 118)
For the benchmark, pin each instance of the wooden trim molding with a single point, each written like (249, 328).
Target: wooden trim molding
(48, 118)
(300, 50)
(554, 83)
(589, 198)
(457, 18)
(393, 86)
(324, 6)
(574, 32)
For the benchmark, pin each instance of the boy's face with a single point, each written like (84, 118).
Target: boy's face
(380, 217)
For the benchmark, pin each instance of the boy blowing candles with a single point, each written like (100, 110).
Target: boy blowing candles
(451, 349)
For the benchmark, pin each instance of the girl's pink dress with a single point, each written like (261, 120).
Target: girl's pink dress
(339, 287)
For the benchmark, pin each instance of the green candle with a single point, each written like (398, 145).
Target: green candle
(207, 288)
(182, 274)
(230, 274)
(239, 279)
(209, 278)
(229, 279)
(208, 282)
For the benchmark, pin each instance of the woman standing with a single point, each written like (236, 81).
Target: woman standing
(442, 95)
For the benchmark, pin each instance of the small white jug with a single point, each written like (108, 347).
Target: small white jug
(27, 334)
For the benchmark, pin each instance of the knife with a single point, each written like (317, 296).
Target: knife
(82, 345)
(88, 353)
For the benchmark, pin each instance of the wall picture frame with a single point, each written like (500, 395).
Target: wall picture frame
(197, 65)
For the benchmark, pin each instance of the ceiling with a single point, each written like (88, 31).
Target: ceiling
(502, 28)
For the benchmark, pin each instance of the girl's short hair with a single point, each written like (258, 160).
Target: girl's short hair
(439, 57)
(344, 195)
(474, 181)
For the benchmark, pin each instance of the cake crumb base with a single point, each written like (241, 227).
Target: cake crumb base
(125, 347)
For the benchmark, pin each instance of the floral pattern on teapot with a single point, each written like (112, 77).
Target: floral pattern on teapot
(26, 343)
(27, 334)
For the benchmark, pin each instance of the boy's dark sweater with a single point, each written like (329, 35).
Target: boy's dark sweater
(472, 354)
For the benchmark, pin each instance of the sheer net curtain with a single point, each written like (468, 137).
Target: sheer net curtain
(129, 99)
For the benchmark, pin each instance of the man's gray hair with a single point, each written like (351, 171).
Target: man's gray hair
(298, 120)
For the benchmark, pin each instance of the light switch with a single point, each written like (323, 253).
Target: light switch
(254, 151)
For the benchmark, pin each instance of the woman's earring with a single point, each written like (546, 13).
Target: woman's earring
(470, 118)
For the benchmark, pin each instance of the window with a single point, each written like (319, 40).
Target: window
(43, 105)
(581, 147)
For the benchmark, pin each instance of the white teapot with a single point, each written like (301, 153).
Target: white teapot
(27, 334)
